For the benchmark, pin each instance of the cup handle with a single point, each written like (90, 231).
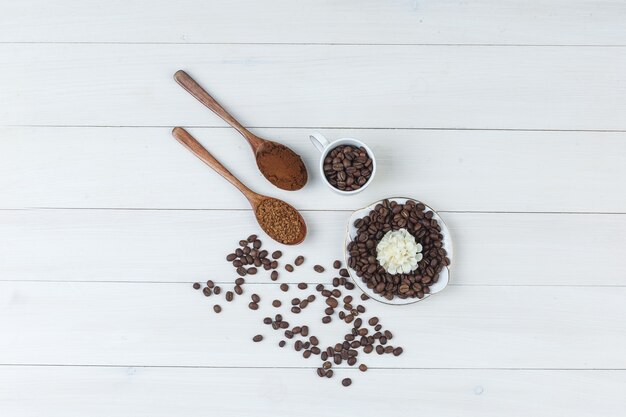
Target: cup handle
(320, 142)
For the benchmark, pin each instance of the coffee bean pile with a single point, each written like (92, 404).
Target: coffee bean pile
(348, 168)
(390, 215)
(365, 336)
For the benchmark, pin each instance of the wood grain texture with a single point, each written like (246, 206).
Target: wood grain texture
(317, 86)
(172, 324)
(76, 392)
(185, 246)
(450, 170)
(561, 22)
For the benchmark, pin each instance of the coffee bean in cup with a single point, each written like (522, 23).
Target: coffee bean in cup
(348, 168)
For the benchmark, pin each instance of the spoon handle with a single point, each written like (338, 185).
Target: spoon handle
(189, 142)
(205, 98)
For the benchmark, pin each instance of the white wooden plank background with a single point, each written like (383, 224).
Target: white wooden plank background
(507, 116)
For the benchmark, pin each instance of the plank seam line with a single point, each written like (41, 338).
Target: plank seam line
(307, 282)
(471, 129)
(303, 367)
(582, 213)
(408, 44)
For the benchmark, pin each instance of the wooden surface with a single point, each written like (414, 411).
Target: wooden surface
(508, 117)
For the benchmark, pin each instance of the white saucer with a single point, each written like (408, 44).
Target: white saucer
(444, 275)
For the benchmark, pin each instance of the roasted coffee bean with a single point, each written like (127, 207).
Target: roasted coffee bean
(284, 324)
(342, 315)
(337, 264)
(347, 299)
(335, 282)
(305, 331)
(273, 264)
(326, 319)
(326, 293)
(240, 281)
(253, 306)
(276, 303)
(196, 285)
(284, 287)
(388, 349)
(344, 272)
(373, 321)
(378, 327)
(255, 298)
(295, 310)
(357, 323)
(311, 298)
(289, 334)
(332, 302)
(217, 290)
(345, 167)
(252, 238)
(282, 343)
(207, 291)
(243, 243)
(329, 311)
(397, 351)
(349, 286)
(352, 361)
(362, 367)
(217, 308)
(303, 285)
(318, 268)
(388, 334)
(360, 309)
(368, 348)
(303, 304)
(274, 275)
(267, 320)
(364, 297)
(278, 317)
(276, 254)
(231, 257)
(238, 290)
(257, 244)
(346, 382)
(321, 372)
(210, 284)
(329, 373)
(319, 287)
(314, 340)
(298, 345)
(289, 268)
(229, 296)
(242, 271)
(252, 270)
(380, 350)
(257, 338)
(299, 260)
(295, 301)
(336, 293)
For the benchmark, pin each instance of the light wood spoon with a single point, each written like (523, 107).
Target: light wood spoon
(279, 164)
(278, 219)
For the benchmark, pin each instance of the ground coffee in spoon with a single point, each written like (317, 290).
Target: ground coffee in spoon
(281, 166)
(279, 220)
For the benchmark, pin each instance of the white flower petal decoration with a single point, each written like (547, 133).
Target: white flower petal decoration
(398, 252)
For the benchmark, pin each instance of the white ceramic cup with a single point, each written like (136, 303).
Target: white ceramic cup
(325, 146)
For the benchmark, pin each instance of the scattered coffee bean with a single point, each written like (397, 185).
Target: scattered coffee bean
(346, 382)
(318, 268)
(311, 298)
(252, 271)
(210, 284)
(282, 343)
(362, 367)
(207, 291)
(299, 260)
(364, 297)
(196, 285)
(240, 281)
(229, 296)
(217, 290)
(267, 320)
(257, 338)
(255, 298)
(238, 290)
(295, 310)
(276, 303)
(326, 319)
(332, 302)
(337, 264)
(303, 285)
(397, 351)
(276, 254)
(319, 287)
(284, 287)
(289, 268)
(344, 272)
(274, 275)
(253, 306)
(217, 308)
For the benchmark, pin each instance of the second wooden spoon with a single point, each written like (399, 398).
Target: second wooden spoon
(278, 219)
(279, 164)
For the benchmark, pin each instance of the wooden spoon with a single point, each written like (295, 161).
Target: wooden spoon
(284, 225)
(279, 164)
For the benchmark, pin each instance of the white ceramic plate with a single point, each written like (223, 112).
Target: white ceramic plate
(444, 275)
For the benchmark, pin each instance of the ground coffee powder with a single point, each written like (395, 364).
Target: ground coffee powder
(282, 167)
